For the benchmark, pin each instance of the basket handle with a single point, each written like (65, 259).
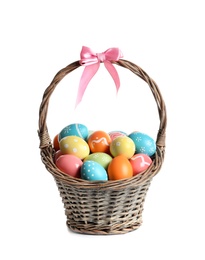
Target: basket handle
(161, 135)
(45, 141)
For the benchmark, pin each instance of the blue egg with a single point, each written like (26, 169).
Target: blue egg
(79, 130)
(143, 143)
(93, 171)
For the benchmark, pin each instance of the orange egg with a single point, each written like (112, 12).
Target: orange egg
(99, 141)
(56, 143)
(119, 168)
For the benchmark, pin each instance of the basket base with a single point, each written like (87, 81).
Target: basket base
(115, 210)
(92, 230)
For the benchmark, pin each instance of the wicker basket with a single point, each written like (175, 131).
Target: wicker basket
(112, 207)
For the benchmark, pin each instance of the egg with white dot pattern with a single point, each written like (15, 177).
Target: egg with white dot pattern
(74, 145)
(143, 143)
(74, 129)
(122, 145)
(93, 171)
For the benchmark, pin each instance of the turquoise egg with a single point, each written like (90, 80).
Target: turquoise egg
(93, 171)
(102, 158)
(79, 130)
(143, 143)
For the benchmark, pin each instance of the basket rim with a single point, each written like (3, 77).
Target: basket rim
(46, 146)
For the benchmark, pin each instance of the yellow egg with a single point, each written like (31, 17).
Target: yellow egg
(74, 145)
(122, 145)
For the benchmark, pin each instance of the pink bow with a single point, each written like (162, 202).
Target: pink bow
(92, 62)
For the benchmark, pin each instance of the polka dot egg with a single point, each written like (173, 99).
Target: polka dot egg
(74, 145)
(122, 145)
(93, 171)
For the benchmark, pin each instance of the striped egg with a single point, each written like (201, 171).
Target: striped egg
(74, 130)
(115, 134)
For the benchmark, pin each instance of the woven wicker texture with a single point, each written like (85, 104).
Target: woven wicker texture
(112, 207)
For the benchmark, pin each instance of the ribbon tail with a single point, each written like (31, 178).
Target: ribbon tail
(113, 72)
(87, 75)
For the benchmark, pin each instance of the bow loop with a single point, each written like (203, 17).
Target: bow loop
(113, 54)
(92, 62)
(87, 56)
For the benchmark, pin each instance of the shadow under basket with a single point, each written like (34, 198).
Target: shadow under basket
(112, 207)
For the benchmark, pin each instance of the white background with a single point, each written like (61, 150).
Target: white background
(166, 39)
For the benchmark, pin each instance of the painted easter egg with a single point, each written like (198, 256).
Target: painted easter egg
(75, 130)
(140, 162)
(115, 134)
(56, 143)
(99, 141)
(74, 145)
(57, 154)
(102, 158)
(93, 171)
(122, 145)
(143, 143)
(119, 168)
(69, 164)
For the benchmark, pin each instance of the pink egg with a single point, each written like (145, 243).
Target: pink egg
(115, 134)
(140, 162)
(69, 164)
(57, 154)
